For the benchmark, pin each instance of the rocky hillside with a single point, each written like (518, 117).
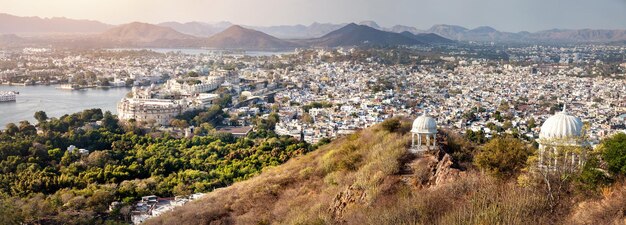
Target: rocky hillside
(369, 178)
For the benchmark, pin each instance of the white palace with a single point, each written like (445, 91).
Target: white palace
(160, 106)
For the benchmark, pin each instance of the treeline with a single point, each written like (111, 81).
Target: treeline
(41, 182)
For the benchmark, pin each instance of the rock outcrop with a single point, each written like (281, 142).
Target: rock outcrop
(430, 170)
(351, 195)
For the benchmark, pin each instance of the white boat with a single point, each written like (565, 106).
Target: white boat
(69, 87)
(8, 96)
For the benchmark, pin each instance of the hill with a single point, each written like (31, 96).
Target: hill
(402, 28)
(314, 30)
(10, 24)
(485, 34)
(369, 178)
(362, 35)
(237, 37)
(198, 29)
(142, 32)
(448, 31)
(428, 38)
(371, 24)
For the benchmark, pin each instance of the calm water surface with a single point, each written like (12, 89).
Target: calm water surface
(198, 51)
(56, 102)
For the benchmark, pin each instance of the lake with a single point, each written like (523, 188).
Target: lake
(56, 102)
(198, 51)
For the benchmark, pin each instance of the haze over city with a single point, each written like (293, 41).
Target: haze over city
(507, 15)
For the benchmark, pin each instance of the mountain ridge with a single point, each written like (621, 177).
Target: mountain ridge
(64, 31)
(10, 24)
(358, 35)
(238, 37)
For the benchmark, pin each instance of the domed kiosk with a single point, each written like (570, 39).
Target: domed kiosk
(423, 127)
(561, 142)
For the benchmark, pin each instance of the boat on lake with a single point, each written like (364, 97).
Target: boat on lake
(70, 87)
(8, 96)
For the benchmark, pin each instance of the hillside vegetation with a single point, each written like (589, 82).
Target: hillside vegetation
(368, 178)
(44, 182)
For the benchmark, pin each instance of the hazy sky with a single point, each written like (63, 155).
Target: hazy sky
(507, 15)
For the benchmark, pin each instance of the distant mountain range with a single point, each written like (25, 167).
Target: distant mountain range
(485, 33)
(85, 33)
(362, 35)
(10, 24)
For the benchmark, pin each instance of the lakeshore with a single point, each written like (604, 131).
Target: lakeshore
(56, 102)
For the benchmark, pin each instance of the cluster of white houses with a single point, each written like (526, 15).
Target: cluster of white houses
(193, 86)
(561, 140)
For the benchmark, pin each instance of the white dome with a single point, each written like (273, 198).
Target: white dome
(561, 125)
(246, 94)
(424, 124)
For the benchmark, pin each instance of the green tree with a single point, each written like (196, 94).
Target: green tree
(531, 123)
(503, 156)
(391, 125)
(614, 153)
(307, 118)
(41, 116)
(507, 125)
(109, 122)
(26, 128)
(11, 129)
(591, 176)
(181, 124)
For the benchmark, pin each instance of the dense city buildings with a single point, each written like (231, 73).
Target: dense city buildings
(326, 93)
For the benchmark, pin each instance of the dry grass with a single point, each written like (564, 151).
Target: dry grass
(611, 209)
(354, 181)
(302, 190)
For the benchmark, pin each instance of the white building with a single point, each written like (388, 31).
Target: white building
(561, 144)
(424, 127)
(194, 86)
(159, 111)
(145, 105)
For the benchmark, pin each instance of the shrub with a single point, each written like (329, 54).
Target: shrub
(614, 153)
(459, 147)
(391, 125)
(503, 157)
(591, 176)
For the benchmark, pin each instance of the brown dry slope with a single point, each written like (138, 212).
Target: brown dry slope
(368, 178)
